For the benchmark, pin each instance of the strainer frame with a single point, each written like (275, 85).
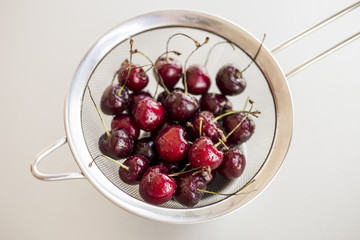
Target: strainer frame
(179, 18)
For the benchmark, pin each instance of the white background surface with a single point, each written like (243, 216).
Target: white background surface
(315, 195)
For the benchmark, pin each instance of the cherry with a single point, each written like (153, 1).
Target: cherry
(116, 144)
(180, 106)
(172, 167)
(146, 147)
(243, 132)
(215, 103)
(137, 166)
(135, 97)
(233, 164)
(148, 114)
(204, 125)
(156, 187)
(161, 128)
(114, 101)
(136, 80)
(204, 153)
(172, 144)
(124, 121)
(197, 79)
(169, 70)
(229, 80)
(187, 192)
(161, 98)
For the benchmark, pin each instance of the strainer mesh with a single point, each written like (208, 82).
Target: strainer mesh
(153, 43)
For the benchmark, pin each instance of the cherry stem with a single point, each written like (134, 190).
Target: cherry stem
(176, 34)
(187, 59)
(257, 53)
(200, 126)
(232, 112)
(222, 142)
(151, 63)
(246, 102)
(97, 109)
(242, 120)
(129, 68)
(158, 75)
(107, 157)
(229, 194)
(211, 49)
(186, 166)
(188, 171)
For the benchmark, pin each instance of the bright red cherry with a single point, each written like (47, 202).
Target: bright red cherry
(156, 187)
(170, 71)
(198, 80)
(135, 97)
(124, 121)
(172, 144)
(136, 80)
(204, 153)
(148, 114)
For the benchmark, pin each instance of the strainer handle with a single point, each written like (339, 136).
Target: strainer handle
(52, 177)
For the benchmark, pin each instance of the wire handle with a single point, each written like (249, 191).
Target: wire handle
(313, 29)
(52, 177)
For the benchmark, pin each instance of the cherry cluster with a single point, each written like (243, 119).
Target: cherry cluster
(190, 133)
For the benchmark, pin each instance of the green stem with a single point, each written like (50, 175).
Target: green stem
(109, 158)
(257, 53)
(130, 66)
(177, 34)
(232, 112)
(187, 59)
(188, 171)
(211, 49)
(229, 194)
(200, 126)
(98, 111)
(242, 120)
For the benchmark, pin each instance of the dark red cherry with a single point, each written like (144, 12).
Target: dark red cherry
(156, 187)
(198, 80)
(113, 103)
(233, 164)
(161, 98)
(215, 103)
(146, 147)
(172, 144)
(172, 167)
(135, 97)
(124, 121)
(118, 145)
(241, 134)
(148, 114)
(187, 192)
(209, 128)
(204, 153)
(169, 70)
(229, 80)
(138, 165)
(137, 79)
(180, 106)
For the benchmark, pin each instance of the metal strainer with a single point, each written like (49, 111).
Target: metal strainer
(266, 86)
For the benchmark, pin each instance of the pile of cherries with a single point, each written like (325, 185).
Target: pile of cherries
(187, 141)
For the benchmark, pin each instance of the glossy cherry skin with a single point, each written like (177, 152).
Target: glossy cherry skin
(233, 164)
(148, 114)
(197, 79)
(172, 167)
(204, 153)
(135, 97)
(229, 80)
(187, 192)
(215, 103)
(170, 71)
(241, 134)
(156, 187)
(146, 147)
(138, 165)
(137, 79)
(118, 145)
(161, 128)
(180, 106)
(172, 144)
(161, 98)
(112, 103)
(209, 128)
(124, 121)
